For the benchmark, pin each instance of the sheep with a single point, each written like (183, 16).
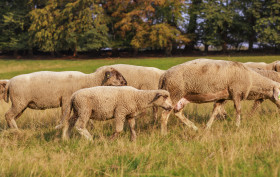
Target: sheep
(206, 80)
(259, 98)
(3, 84)
(140, 77)
(122, 103)
(46, 89)
(275, 66)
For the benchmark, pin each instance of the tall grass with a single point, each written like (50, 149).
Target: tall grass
(37, 150)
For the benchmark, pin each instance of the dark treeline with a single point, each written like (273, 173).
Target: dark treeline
(168, 26)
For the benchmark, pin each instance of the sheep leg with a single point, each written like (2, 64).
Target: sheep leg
(216, 109)
(65, 112)
(164, 119)
(68, 125)
(119, 126)
(131, 123)
(82, 122)
(185, 120)
(12, 114)
(222, 112)
(237, 106)
(178, 109)
(155, 113)
(257, 104)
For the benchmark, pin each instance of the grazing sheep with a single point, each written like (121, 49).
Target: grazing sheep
(122, 103)
(275, 66)
(46, 89)
(205, 80)
(140, 77)
(3, 84)
(259, 98)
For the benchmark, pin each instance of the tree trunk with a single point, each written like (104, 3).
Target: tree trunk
(135, 52)
(30, 52)
(251, 42)
(75, 54)
(224, 46)
(168, 49)
(15, 53)
(206, 48)
(52, 53)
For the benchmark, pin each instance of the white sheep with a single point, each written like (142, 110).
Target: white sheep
(103, 103)
(46, 89)
(205, 80)
(140, 77)
(259, 98)
(275, 66)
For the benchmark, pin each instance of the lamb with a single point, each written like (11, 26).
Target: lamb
(275, 66)
(46, 89)
(3, 84)
(122, 103)
(205, 80)
(140, 77)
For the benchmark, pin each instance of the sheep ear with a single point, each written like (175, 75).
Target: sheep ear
(157, 96)
(106, 77)
(276, 93)
(3, 83)
(118, 75)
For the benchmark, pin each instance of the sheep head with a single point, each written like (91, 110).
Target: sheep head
(162, 99)
(112, 77)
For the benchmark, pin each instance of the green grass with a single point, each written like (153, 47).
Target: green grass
(251, 150)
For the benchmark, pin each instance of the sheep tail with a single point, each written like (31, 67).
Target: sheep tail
(162, 83)
(6, 93)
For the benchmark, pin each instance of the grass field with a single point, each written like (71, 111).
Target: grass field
(251, 150)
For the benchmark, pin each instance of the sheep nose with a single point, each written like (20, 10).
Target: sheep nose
(124, 83)
(169, 108)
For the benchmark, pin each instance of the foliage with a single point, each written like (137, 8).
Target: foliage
(13, 25)
(268, 23)
(85, 25)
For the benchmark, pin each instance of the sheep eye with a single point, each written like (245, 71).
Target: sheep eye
(108, 76)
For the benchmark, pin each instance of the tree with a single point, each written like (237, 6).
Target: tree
(192, 26)
(14, 26)
(45, 28)
(84, 27)
(152, 24)
(268, 23)
(216, 19)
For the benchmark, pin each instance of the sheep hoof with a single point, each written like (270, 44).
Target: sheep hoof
(58, 126)
(114, 136)
(195, 128)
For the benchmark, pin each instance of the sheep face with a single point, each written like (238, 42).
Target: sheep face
(276, 94)
(113, 78)
(162, 99)
(277, 66)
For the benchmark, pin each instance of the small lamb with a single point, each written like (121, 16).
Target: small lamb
(103, 103)
(140, 77)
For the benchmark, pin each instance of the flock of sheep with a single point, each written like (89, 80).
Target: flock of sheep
(124, 91)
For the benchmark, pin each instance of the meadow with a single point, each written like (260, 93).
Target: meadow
(253, 149)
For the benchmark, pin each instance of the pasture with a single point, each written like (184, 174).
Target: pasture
(37, 150)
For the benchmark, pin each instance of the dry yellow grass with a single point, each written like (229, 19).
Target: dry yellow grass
(251, 150)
